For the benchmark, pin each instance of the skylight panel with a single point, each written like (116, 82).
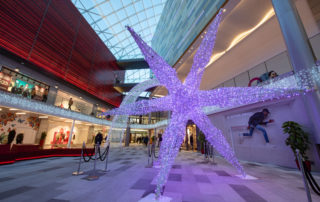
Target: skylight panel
(130, 10)
(138, 6)
(116, 4)
(109, 18)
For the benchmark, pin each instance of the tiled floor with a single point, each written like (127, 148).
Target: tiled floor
(192, 179)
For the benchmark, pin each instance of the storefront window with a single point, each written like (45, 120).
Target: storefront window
(19, 84)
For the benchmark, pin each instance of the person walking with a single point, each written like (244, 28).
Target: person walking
(70, 103)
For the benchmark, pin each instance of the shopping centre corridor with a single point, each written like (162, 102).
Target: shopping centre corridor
(192, 179)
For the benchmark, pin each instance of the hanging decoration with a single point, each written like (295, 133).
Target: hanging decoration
(187, 102)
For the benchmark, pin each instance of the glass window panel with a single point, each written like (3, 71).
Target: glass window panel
(112, 19)
(150, 12)
(117, 28)
(134, 19)
(139, 6)
(105, 8)
(142, 16)
(147, 3)
(126, 2)
(116, 4)
(130, 10)
(121, 14)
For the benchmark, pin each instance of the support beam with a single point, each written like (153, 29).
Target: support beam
(300, 53)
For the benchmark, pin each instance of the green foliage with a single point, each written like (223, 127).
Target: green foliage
(201, 137)
(43, 135)
(298, 138)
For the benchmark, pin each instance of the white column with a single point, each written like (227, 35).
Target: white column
(70, 135)
(300, 53)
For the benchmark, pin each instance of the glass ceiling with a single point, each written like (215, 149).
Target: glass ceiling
(109, 17)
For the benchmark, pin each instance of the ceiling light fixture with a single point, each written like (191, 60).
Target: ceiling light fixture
(43, 117)
(20, 113)
(13, 109)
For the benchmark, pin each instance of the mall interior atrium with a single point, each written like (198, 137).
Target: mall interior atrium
(160, 100)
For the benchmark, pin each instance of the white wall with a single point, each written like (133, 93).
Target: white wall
(264, 44)
(22, 125)
(234, 122)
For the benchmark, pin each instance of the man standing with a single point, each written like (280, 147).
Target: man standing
(98, 138)
(256, 120)
(70, 103)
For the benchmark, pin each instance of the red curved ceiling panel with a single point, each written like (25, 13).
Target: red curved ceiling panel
(53, 35)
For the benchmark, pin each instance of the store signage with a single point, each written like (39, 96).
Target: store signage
(5, 81)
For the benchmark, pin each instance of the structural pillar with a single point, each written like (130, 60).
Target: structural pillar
(127, 140)
(300, 53)
(70, 135)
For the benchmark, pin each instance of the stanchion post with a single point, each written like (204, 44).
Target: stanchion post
(204, 149)
(94, 176)
(78, 172)
(306, 186)
(149, 153)
(152, 155)
(106, 166)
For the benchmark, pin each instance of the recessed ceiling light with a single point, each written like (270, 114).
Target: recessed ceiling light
(56, 86)
(201, 36)
(80, 97)
(224, 10)
(13, 109)
(43, 117)
(16, 69)
(20, 113)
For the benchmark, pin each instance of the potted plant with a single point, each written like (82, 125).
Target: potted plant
(298, 139)
(42, 138)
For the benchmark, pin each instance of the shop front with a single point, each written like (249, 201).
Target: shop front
(20, 84)
(29, 128)
(74, 103)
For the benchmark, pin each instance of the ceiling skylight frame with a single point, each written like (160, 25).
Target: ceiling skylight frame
(117, 40)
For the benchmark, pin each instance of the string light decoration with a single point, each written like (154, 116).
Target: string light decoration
(123, 119)
(187, 102)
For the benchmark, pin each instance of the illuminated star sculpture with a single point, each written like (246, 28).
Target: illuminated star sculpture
(186, 102)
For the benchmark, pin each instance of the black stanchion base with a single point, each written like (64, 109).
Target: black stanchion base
(77, 173)
(104, 171)
(92, 178)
